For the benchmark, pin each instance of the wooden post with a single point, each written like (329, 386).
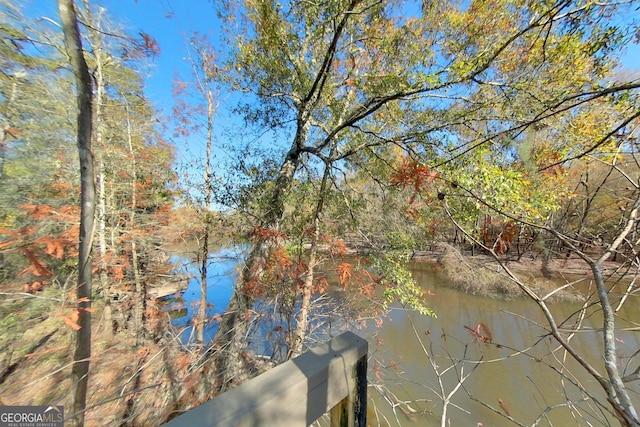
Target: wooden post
(297, 392)
(352, 410)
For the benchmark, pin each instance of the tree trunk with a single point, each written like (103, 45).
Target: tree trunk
(102, 246)
(302, 323)
(202, 312)
(300, 331)
(80, 369)
(617, 392)
(230, 338)
(141, 289)
(95, 37)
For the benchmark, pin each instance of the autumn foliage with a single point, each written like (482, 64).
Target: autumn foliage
(284, 271)
(481, 333)
(49, 239)
(413, 174)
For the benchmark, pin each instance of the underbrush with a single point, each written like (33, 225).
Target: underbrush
(130, 382)
(483, 276)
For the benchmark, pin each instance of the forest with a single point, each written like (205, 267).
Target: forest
(495, 140)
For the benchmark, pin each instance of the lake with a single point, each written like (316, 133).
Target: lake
(415, 360)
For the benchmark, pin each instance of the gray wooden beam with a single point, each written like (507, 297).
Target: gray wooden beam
(295, 393)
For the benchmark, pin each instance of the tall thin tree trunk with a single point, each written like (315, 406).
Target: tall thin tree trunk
(201, 317)
(202, 310)
(302, 323)
(80, 369)
(141, 290)
(618, 393)
(102, 247)
(96, 40)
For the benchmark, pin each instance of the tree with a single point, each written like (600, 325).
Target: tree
(555, 178)
(80, 369)
(27, 89)
(131, 191)
(613, 377)
(201, 55)
(41, 205)
(353, 79)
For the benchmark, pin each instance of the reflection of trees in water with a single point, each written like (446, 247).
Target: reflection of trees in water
(273, 323)
(183, 306)
(272, 320)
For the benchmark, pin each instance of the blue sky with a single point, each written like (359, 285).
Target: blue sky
(170, 22)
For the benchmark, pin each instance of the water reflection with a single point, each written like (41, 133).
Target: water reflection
(221, 276)
(269, 324)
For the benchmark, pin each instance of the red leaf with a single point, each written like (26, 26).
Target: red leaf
(480, 333)
(37, 267)
(488, 336)
(12, 132)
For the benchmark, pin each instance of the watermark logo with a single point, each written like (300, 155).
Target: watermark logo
(31, 416)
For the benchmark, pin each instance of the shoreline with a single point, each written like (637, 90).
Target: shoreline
(557, 268)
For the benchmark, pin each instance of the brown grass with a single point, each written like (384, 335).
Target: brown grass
(483, 276)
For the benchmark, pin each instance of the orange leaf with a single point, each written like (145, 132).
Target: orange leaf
(322, 285)
(488, 336)
(35, 287)
(54, 247)
(118, 272)
(344, 271)
(37, 267)
(8, 233)
(72, 320)
(478, 332)
(40, 353)
(13, 132)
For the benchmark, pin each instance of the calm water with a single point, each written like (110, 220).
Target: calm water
(222, 274)
(524, 384)
(413, 356)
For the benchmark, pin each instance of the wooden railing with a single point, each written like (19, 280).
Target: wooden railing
(329, 378)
